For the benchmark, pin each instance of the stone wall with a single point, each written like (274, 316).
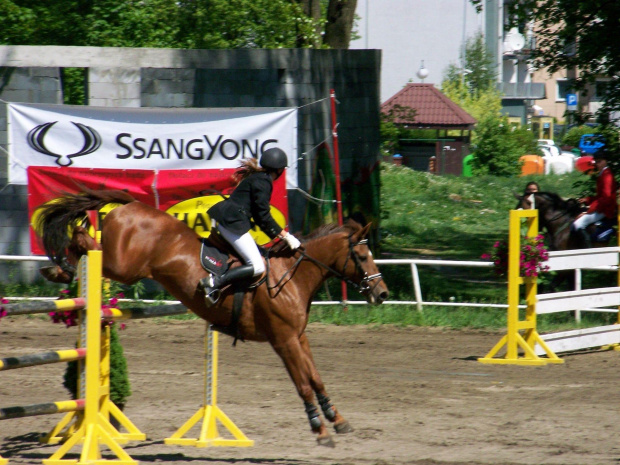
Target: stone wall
(123, 77)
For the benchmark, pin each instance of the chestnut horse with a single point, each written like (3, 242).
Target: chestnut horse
(139, 241)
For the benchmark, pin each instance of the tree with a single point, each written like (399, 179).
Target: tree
(477, 67)
(574, 34)
(215, 24)
(498, 145)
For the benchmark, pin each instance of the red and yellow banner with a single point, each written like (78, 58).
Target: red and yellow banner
(185, 194)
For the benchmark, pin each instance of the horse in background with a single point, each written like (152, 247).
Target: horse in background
(556, 216)
(139, 241)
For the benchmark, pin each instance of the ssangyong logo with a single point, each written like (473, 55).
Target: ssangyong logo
(36, 136)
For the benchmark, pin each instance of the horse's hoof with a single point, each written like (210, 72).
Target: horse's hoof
(55, 274)
(326, 441)
(343, 428)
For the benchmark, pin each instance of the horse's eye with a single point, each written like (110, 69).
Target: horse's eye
(363, 258)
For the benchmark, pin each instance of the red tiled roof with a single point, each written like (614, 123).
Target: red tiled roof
(433, 109)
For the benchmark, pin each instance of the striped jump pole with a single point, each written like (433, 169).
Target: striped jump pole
(41, 409)
(154, 311)
(43, 306)
(209, 414)
(10, 363)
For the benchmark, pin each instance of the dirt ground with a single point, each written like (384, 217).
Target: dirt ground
(414, 396)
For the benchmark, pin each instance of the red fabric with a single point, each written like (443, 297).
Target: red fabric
(184, 194)
(605, 199)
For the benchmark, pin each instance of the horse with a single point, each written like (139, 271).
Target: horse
(555, 215)
(138, 241)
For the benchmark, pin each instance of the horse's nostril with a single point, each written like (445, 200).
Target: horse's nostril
(383, 296)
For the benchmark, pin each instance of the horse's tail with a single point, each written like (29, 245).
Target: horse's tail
(57, 218)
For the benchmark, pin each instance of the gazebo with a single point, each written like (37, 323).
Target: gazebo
(447, 128)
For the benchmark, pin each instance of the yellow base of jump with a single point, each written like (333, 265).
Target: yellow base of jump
(209, 436)
(528, 357)
(73, 420)
(92, 436)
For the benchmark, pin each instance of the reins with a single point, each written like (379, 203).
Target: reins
(363, 286)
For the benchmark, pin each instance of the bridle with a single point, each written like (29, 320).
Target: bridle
(364, 286)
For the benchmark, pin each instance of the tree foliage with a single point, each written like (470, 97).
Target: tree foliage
(574, 34)
(207, 24)
(476, 73)
(497, 145)
(392, 132)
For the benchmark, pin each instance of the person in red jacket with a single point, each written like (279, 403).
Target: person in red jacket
(603, 204)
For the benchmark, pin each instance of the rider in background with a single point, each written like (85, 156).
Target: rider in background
(603, 204)
(233, 219)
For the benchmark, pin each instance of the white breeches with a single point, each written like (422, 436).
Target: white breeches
(587, 219)
(246, 247)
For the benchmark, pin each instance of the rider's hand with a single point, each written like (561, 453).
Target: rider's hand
(291, 241)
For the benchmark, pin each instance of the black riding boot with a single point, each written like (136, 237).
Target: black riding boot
(212, 284)
(580, 239)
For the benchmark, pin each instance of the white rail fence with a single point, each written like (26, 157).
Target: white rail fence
(581, 300)
(561, 260)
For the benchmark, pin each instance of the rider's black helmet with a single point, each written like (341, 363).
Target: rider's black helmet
(273, 159)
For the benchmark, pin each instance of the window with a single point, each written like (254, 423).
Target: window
(600, 89)
(562, 88)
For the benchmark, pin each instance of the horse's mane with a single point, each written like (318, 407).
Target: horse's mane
(350, 226)
(322, 231)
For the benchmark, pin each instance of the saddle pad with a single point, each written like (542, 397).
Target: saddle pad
(213, 259)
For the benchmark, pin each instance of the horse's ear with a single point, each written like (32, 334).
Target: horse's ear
(361, 233)
(517, 196)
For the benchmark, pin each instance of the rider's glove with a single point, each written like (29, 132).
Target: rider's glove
(291, 241)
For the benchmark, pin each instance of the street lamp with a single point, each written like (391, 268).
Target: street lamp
(422, 72)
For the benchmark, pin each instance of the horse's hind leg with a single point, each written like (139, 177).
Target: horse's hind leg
(301, 370)
(341, 425)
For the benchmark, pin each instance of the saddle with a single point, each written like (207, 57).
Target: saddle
(216, 255)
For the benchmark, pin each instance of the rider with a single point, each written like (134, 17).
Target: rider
(602, 205)
(531, 187)
(232, 217)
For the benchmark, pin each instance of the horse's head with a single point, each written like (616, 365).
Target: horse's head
(359, 267)
(526, 201)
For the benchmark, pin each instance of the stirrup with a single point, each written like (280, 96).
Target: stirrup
(212, 296)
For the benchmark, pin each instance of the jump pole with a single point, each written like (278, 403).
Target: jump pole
(514, 339)
(209, 414)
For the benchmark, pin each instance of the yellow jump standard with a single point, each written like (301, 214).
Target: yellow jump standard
(521, 334)
(210, 413)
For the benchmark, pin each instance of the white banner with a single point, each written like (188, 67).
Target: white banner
(146, 138)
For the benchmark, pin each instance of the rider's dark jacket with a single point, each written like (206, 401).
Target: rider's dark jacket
(249, 201)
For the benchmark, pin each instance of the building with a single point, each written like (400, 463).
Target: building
(446, 129)
(412, 32)
(415, 32)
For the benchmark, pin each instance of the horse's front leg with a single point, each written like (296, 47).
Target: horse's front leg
(300, 369)
(329, 410)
